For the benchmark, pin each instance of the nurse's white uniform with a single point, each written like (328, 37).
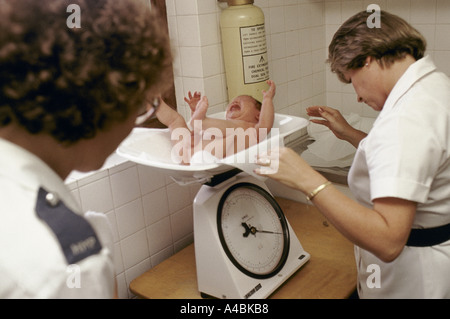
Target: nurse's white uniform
(32, 262)
(406, 155)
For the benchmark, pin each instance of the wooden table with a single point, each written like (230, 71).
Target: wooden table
(330, 273)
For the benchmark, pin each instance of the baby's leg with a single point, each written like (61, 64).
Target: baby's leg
(169, 117)
(173, 120)
(200, 111)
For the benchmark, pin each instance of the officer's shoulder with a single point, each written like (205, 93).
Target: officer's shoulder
(73, 232)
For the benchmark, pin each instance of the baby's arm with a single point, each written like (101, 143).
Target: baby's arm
(267, 113)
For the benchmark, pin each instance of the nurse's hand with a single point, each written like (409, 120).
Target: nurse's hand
(287, 167)
(334, 120)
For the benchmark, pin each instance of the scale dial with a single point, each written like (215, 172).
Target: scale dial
(253, 230)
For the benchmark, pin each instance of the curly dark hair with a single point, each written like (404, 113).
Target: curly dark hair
(71, 83)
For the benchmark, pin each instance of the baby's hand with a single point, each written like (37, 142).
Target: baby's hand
(270, 93)
(193, 100)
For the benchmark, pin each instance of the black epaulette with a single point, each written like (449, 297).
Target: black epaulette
(76, 236)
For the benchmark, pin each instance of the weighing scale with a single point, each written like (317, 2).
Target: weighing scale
(244, 246)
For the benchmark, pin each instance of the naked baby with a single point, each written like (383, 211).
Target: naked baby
(247, 123)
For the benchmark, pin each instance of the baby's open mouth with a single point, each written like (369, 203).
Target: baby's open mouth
(235, 107)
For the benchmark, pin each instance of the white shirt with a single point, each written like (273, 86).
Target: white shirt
(406, 155)
(32, 263)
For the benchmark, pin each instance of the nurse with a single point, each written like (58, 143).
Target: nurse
(68, 97)
(400, 223)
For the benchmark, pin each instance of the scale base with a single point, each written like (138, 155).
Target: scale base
(216, 275)
(267, 293)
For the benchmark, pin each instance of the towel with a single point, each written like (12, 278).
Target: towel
(329, 151)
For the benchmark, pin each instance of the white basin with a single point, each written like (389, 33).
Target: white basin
(152, 147)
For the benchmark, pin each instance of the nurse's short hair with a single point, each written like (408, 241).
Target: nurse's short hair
(355, 41)
(72, 82)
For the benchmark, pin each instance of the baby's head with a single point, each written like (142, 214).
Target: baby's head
(245, 108)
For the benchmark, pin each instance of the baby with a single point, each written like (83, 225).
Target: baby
(245, 118)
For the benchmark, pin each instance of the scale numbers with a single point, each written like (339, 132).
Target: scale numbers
(253, 230)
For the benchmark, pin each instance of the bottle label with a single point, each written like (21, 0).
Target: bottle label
(254, 54)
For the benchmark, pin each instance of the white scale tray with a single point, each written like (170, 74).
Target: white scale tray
(152, 147)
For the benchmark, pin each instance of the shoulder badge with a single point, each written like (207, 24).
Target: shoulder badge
(76, 236)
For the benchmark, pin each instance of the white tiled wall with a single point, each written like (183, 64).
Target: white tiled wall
(152, 216)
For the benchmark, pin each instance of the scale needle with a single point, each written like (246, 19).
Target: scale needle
(251, 229)
(268, 232)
